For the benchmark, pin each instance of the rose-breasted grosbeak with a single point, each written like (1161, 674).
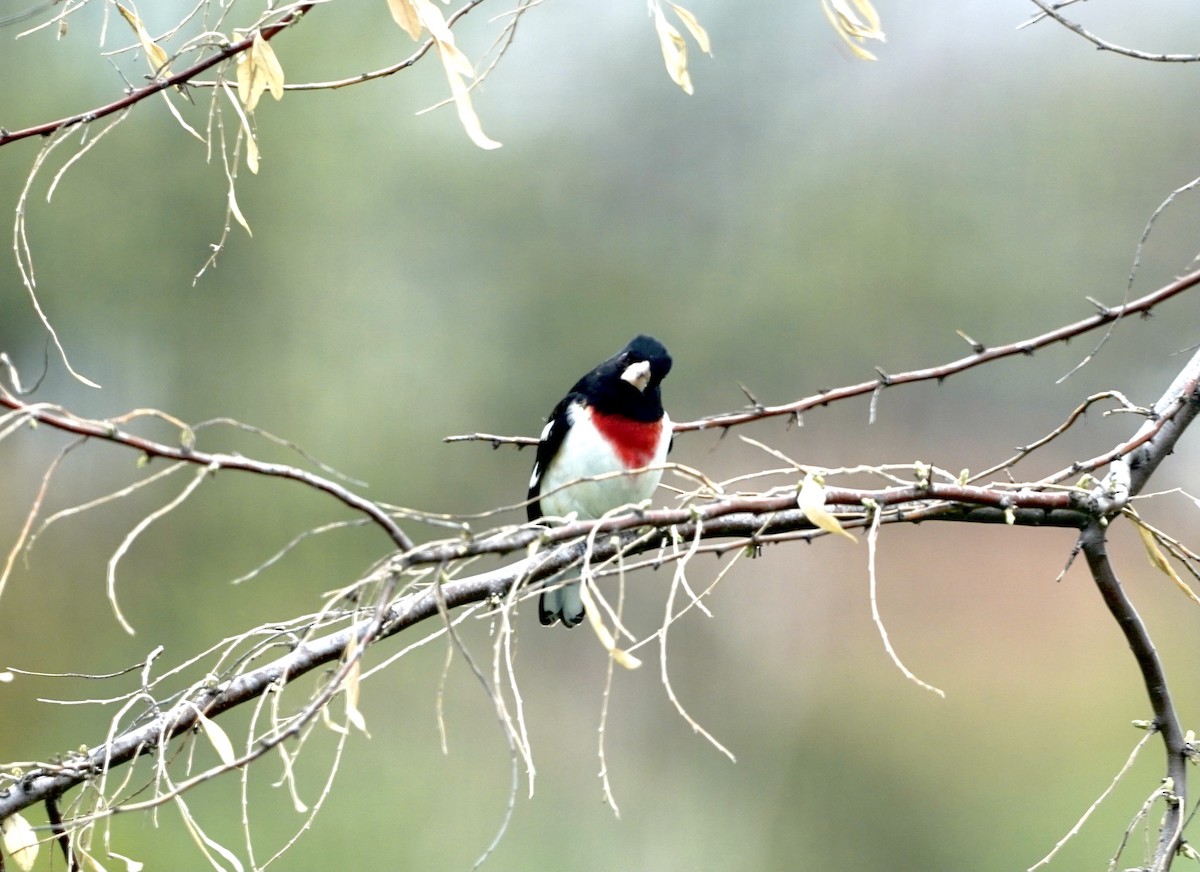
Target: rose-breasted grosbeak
(612, 420)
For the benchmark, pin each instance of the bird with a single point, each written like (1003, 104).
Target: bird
(611, 421)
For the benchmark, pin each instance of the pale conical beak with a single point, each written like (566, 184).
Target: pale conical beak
(637, 374)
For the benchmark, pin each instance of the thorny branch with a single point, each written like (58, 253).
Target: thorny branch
(410, 588)
(981, 354)
(1184, 396)
(1051, 10)
(1094, 544)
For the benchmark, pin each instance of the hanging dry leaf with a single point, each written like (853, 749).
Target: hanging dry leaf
(1159, 560)
(20, 841)
(674, 49)
(354, 715)
(219, 739)
(131, 865)
(458, 68)
(246, 135)
(155, 55)
(236, 211)
(404, 12)
(698, 33)
(268, 62)
(850, 27)
(621, 656)
(258, 70)
(811, 501)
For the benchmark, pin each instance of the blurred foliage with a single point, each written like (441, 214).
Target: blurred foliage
(800, 219)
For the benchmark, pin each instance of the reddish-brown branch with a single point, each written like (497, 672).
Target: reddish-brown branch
(983, 355)
(1094, 544)
(108, 431)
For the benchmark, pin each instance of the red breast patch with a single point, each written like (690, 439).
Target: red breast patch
(634, 441)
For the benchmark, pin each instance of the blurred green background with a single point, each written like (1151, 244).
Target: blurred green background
(802, 218)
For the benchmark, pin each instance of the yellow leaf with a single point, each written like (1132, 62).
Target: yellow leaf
(674, 50)
(20, 841)
(131, 865)
(1159, 561)
(457, 68)
(811, 501)
(698, 33)
(250, 85)
(466, 112)
(621, 656)
(236, 211)
(258, 70)
(353, 714)
(404, 12)
(251, 155)
(433, 20)
(155, 55)
(268, 64)
(852, 29)
(218, 738)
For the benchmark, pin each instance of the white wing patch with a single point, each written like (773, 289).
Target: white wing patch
(537, 467)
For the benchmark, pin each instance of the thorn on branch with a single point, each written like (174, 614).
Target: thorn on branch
(1102, 310)
(884, 379)
(977, 347)
(754, 403)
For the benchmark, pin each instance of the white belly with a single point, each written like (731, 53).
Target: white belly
(591, 455)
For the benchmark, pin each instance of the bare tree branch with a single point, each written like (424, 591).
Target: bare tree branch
(108, 431)
(1182, 401)
(291, 16)
(981, 355)
(746, 520)
(1050, 10)
(710, 519)
(1094, 544)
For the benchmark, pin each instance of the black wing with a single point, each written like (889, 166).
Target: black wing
(551, 441)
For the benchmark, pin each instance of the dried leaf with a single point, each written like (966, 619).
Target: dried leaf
(236, 211)
(466, 111)
(404, 12)
(155, 55)
(247, 135)
(457, 68)
(698, 33)
(333, 725)
(621, 656)
(852, 29)
(219, 739)
(811, 501)
(20, 841)
(131, 865)
(1159, 561)
(258, 70)
(435, 22)
(674, 50)
(268, 63)
(353, 714)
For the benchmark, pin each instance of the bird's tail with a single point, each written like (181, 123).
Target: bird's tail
(562, 602)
